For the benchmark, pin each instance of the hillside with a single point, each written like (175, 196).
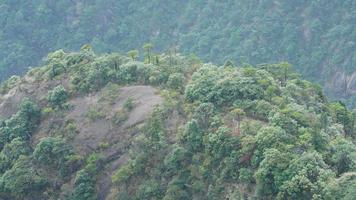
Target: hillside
(317, 36)
(88, 126)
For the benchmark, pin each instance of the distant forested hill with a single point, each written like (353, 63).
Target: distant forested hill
(317, 36)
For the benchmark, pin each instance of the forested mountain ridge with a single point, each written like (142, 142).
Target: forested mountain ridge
(317, 36)
(88, 126)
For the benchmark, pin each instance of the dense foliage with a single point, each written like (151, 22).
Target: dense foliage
(289, 146)
(317, 37)
(243, 132)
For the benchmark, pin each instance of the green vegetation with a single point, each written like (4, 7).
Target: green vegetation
(14, 135)
(84, 186)
(110, 93)
(223, 132)
(8, 84)
(129, 104)
(22, 181)
(94, 114)
(120, 116)
(20, 125)
(57, 97)
(55, 153)
(123, 114)
(317, 37)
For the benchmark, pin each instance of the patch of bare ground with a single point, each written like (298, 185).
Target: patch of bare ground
(102, 134)
(93, 132)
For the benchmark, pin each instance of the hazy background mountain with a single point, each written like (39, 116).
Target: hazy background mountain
(316, 36)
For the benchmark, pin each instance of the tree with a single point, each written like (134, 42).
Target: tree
(281, 71)
(11, 152)
(284, 121)
(285, 67)
(237, 116)
(56, 59)
(269, 176)
(305, 178)
(353, 124)
(229, 63)
(176, 81)
(343, 116)
(150, 189)
(343, 155)
(84, 183)
(30, 113)
(219, 145)
(57, 97)
(20, 124)
(176, 159)
(271, 92)
(147, 47)
(157, 60)
(55, 67)
(177, 189)
(203, 114)
(245, 175)
(84, 186)
(54, 153)
(133, 54)
(86, 48)
(193, 136)
(154, 132)
(343, 188)
(22, 181)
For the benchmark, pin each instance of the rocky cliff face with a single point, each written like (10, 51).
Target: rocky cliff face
(352, 83)
(343, 84)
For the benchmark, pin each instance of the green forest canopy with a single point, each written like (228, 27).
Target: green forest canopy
(316, 36)
(259, 132)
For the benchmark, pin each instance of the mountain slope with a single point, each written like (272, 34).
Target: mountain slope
(318, 37)
(87, 126)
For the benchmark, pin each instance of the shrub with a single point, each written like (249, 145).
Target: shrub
(57, 97)
(8, 84)
(120, 116)
(110, 93)
(129, 104)
(176, 81)
(94, 114)
(47, 111)
(70, 129)
(246, 175)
